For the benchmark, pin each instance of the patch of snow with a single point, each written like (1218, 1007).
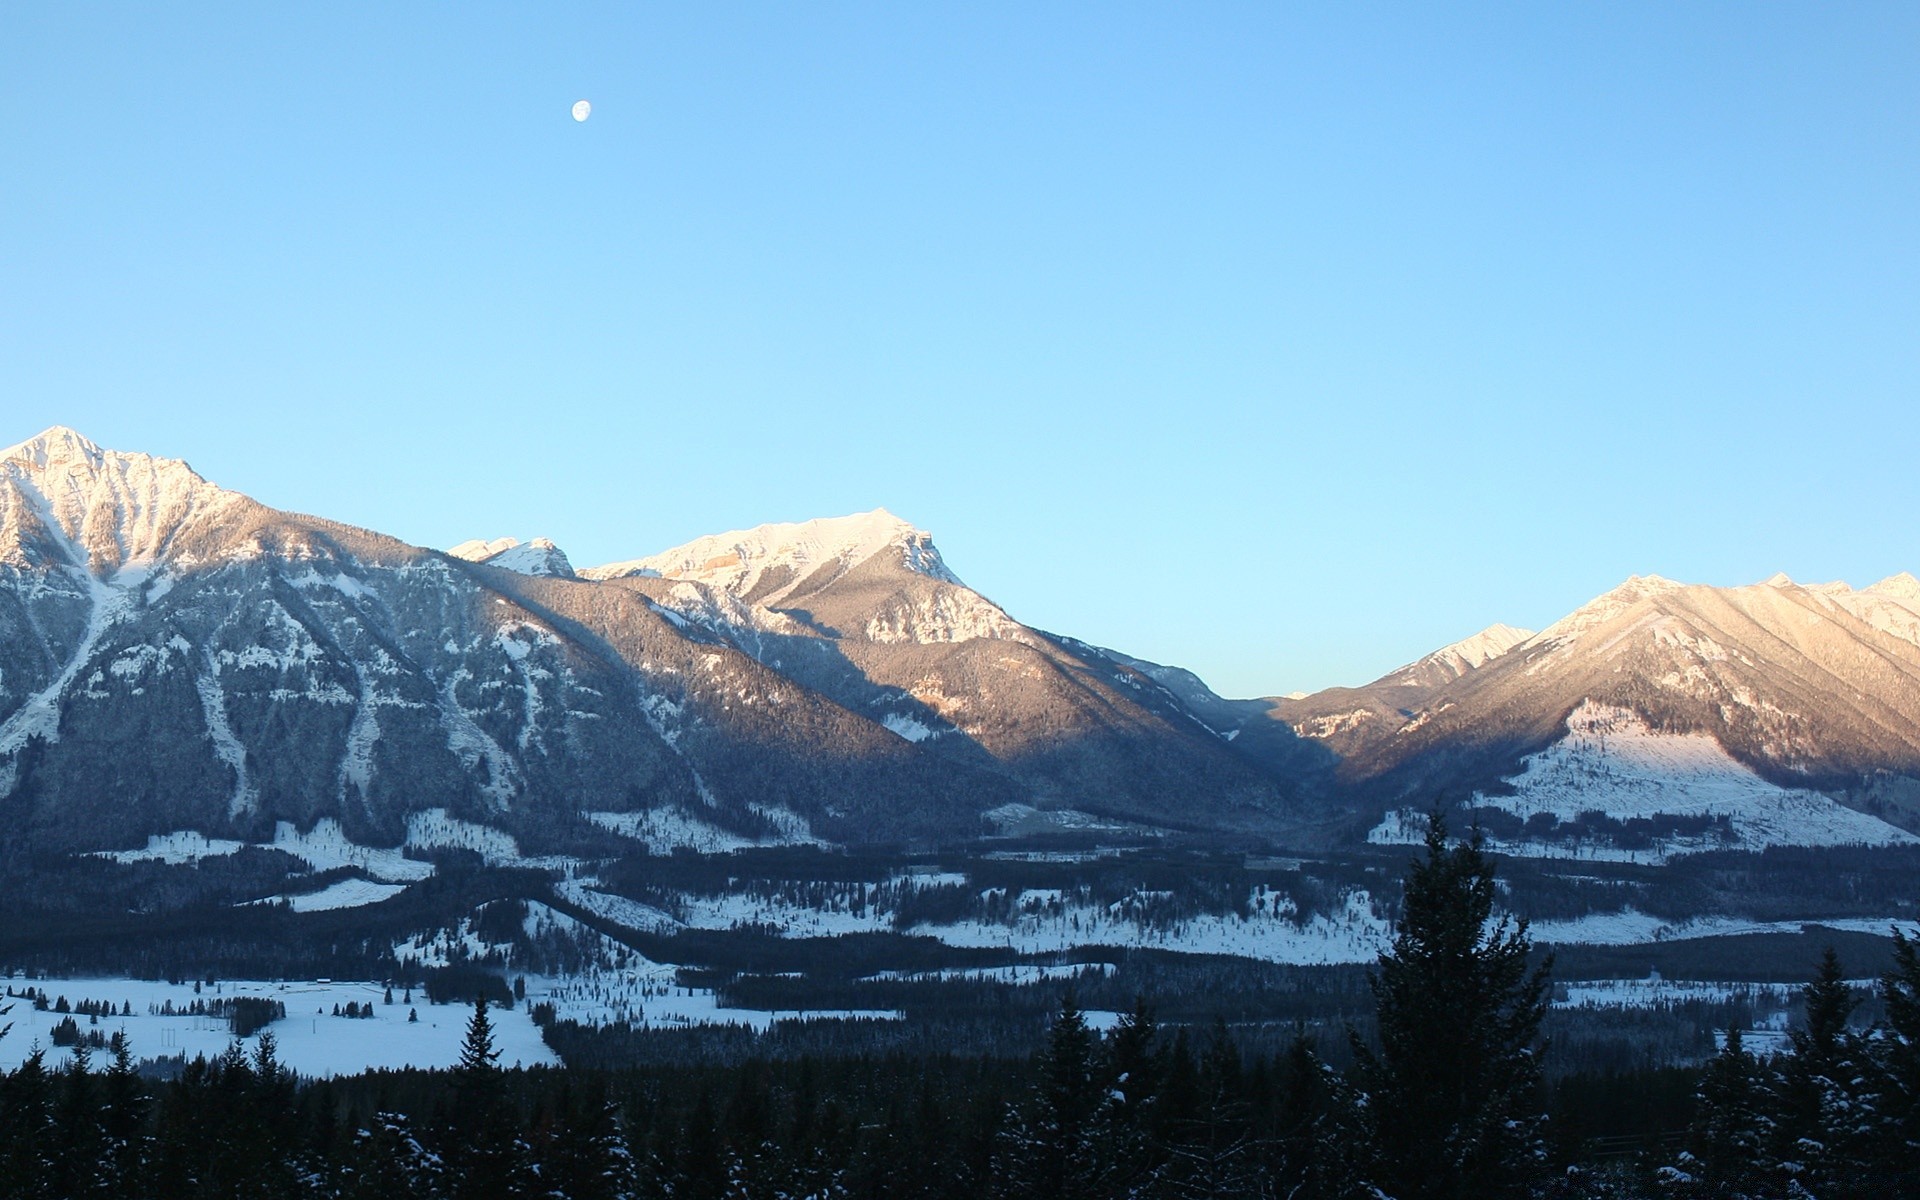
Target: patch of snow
(175, 849)
(1611, 762)
(1468, 654)
(1270, 933)
(907, 727)
(348, 893)
(326, 847)
(665, 830)
(436, 828)
(537, 557)
(226, 745)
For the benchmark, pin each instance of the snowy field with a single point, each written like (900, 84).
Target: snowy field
(312, 1040)
(317, 1044)
(1610, 761)
(1270, 933)
(1630, 927)
(1660, 993)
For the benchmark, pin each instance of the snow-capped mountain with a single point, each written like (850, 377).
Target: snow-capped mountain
(864, 609)
(537, 557)
(1805, 687)
(769, 563)
(179, 660)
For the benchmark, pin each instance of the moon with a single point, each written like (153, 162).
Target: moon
(582, 110)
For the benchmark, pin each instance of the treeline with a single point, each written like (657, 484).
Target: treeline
(1837, 1116)
(1136, 1113)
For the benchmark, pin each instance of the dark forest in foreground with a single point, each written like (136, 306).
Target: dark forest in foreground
(1443, 1096)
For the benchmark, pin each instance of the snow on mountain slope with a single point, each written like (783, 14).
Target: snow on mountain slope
(1808, 687)
(1891, 606)
(1451, 662)
(64, 501)
(1611, 762)
(1635, 592)
(537, 557)
(768, 562)
(863, 609)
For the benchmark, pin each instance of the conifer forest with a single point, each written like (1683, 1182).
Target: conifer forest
(1443, 1089)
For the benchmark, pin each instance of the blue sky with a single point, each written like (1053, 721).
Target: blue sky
(1285, 342)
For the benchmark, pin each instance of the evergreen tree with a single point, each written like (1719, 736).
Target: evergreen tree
(123, 1105)
(1819, 1140)
(1048, 1147)
(388, 1162)
(1729, 1144)
(78, 1133)
(1215, 1154)
(1129, 1155)
(1892, 1100)
(1319, 1150)
(27, 1131)
(1459, 1020)
(484, 1155)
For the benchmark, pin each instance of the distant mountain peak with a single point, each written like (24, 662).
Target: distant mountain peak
(1483, 647)
(536, 557)
(766, 562)
(1903, 588)
(1604, 608)
(1468, 654)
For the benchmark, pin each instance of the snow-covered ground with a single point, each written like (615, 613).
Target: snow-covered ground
(312, 1041)
(1270, 933)
(1611, 762)
(348, 893)
(1018, 975)
(1630, 927)
(1659, 993)
(324, 848)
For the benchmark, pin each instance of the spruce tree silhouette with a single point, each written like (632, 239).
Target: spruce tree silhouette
(482, 1152)
(1455, 1083)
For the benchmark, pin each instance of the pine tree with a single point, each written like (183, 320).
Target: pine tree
(1123, 1132)
(1216, 1154)
(1321, 1139)
(478, 1058)
(483, 1154)
(123, 1106)
(388, 1162)
(1728, 1147)
(1819, 1138)
(1048, 1147)
(27, 1131)
(1459, 1015)
(1892, 1120)
(78, 1133)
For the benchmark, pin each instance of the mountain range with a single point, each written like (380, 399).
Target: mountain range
(178, 657)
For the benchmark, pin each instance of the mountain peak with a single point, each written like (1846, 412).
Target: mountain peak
(1902, 587)
(1468, 654)
(536, 557)
(65, 500)
(57, 444)
(768, 561)
(1605, 607)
